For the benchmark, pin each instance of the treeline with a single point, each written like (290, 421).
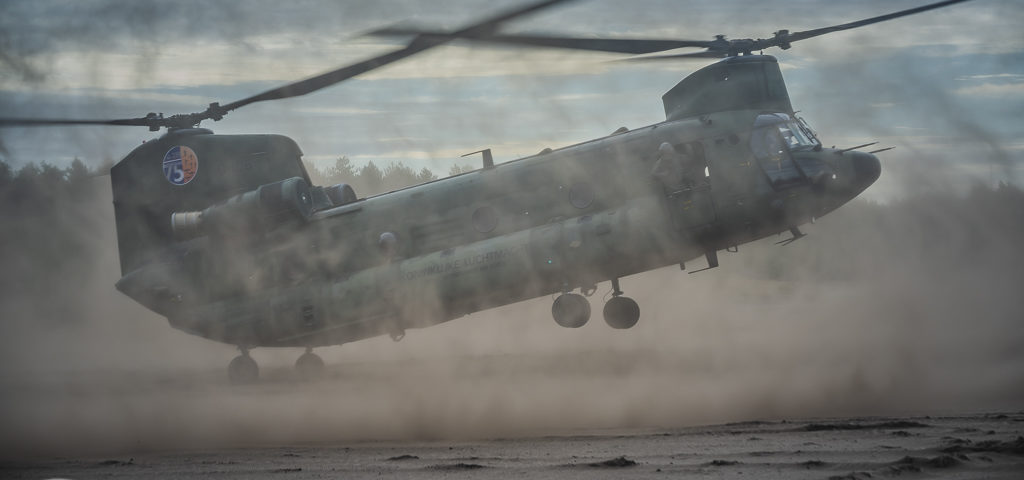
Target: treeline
(371, 179)
(57, 222)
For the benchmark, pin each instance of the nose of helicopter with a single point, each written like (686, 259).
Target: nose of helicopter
(866, 168)
(849, 174)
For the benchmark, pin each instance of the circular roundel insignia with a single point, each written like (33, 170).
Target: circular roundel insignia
(180, 165)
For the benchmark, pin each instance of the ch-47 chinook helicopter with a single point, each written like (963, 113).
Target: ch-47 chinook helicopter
(225, 236)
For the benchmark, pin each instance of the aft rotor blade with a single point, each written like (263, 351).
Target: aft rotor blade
(216, 111)
(634, 46)
(323, 80)
(42, 122)
(419, 44)
(868, 21)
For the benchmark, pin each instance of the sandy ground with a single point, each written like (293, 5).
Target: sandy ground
(487, 417)
(969, 446)
(890, 376)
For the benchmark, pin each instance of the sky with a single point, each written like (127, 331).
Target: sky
(945, 87)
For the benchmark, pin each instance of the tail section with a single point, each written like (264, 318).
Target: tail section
(189, 170)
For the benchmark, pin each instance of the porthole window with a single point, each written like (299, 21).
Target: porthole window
(485, 219)
(581, 194)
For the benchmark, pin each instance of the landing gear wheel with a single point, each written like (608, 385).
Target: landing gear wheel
(243, 369)
(309, 366)
(621, 312)
(571, 310)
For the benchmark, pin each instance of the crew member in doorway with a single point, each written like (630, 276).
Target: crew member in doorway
(675, 170)
(668, 169)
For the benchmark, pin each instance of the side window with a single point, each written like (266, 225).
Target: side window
(581, 194)
(485, 219)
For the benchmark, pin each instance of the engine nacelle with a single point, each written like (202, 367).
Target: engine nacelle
(340, 194)
(258, 211)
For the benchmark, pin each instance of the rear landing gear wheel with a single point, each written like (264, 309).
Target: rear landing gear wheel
(571, 310)
(243, 369)
(621, 312)
(309, 365)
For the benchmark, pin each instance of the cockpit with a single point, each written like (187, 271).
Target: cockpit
(774, 137)
(777, 129)
(796, 137)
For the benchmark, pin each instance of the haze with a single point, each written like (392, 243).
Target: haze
(905, 303)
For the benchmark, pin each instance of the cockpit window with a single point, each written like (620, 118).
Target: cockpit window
(773, 137)
(795, 134)
(795, 137)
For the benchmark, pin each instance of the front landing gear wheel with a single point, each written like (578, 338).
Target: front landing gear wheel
(243, 369)
(309, 366)
(571, 310)
(621, 312)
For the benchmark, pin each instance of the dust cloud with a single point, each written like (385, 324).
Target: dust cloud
(911, 307)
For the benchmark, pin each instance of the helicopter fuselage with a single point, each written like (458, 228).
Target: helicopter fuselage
(227, 239)
(549, 223)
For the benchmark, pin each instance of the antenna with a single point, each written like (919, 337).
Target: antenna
(488, 158)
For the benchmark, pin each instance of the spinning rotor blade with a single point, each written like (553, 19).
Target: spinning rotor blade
(704, 54)
(615, 45)
(868, 21)
(417, 45)
(42, 122)
(719, 47)
(215, 111)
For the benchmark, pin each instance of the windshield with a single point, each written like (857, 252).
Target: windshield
(794, 134)
(795, 137)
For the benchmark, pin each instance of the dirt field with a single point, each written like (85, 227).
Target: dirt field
(831, 379)
(969, 446)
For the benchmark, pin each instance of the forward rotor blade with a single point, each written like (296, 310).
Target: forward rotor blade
(634, 46)
(795, 36)
(676, 56)
(614, 45)
(719, 47)
(419, 44)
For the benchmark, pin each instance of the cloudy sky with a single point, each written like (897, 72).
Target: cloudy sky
(945, 87)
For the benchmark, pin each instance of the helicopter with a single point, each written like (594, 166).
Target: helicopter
(226, 237)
